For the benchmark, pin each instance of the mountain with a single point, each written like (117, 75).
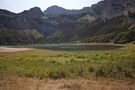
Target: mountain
(101, 22)
(105, 9)
(120, 29)
(33, 19)
(33, 13)
(32, 23)
(56, 10)
(109, 8)
(2, 11)
(106, 21)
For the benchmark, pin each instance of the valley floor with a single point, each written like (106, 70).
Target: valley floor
(68, 70)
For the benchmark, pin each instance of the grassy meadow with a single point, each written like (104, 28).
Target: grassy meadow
(69, 64)
(52, 70)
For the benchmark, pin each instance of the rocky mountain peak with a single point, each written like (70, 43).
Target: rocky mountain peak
(105, 8)
(55, 7)
(109, 8)
(56, 10)
(33, 12)
(2, 11)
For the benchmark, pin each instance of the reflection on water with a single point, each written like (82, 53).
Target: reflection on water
(75, 47)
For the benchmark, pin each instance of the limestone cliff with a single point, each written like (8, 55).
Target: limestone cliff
(30, 19)
(105, 9)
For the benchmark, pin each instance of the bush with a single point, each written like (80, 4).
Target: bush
(12, 37)
(133, 42)
(125, 37)
(91, 69)
(57, 74)
(79, 71)
(131, 13)
(100, 72)
(81, 56)
(100, 38)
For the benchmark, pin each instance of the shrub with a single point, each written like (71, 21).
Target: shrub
(125, 37)
(56, 74)
(72, 60)
(91, 69)
(99, 39)
(100, 72)
(53, 61)
(12, 37)
(81, 56)
(79, 71)
(131, 13)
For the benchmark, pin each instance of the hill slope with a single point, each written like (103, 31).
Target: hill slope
(96, 31)
(108, 20)
(32, 23)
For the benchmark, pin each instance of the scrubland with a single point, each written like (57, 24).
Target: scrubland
(52, 70)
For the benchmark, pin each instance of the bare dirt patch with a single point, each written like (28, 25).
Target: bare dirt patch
(8, 49)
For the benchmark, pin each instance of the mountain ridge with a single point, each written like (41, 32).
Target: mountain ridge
(57, 10)
(105, 9)
(101, 22)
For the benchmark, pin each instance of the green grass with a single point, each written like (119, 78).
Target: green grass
(66, 64)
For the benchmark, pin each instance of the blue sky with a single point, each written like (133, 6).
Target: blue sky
(20, 5)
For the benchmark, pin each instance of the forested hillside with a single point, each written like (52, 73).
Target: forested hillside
(12, 37)
(119, 29)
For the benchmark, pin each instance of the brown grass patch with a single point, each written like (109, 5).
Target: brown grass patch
(17, 83)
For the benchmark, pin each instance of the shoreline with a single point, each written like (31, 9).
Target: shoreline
(9, 49)
(129, 44)
(17, 49)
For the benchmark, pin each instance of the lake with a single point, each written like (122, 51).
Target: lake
(75, 47)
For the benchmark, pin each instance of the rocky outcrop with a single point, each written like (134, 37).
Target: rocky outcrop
(33, 13)
(56, 10)
(2, 11)
(30, 19)
(109, 8)
(104, 9)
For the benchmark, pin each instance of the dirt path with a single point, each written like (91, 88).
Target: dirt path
(8, 49)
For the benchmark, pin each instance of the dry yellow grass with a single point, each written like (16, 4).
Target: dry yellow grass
(17, 83)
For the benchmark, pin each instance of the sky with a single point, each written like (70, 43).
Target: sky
(18, 6)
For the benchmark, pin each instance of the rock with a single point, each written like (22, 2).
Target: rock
(110, 8)
(56, 10)
(33, 13)
(68, 85)
(131, 13)
(2, 11)
(29, 19)
(105, 9)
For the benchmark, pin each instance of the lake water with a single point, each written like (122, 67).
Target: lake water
(75, 47)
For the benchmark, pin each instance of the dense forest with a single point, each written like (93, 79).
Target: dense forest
(12, 37)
